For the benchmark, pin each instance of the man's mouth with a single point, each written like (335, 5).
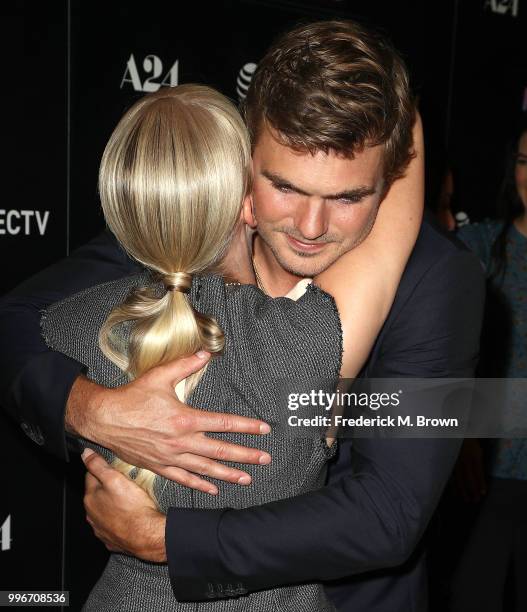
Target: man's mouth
(305, 247)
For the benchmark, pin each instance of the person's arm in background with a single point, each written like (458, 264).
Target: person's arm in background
(34, 381)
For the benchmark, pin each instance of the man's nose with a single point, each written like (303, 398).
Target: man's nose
(311, 218)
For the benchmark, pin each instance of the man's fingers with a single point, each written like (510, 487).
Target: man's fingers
(95, 464)
(225, 451)
(207, 467)
(87, 452)
(223, 422)
(185, 478)
(91, 483)
(174, 371)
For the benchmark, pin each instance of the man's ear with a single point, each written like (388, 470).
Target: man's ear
(248, 212)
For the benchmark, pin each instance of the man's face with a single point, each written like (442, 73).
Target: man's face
(311, 209)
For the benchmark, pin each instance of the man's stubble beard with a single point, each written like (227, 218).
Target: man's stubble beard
(266, 235)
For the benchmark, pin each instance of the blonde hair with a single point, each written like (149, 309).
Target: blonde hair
(172, 180)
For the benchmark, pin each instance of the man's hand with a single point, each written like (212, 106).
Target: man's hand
(146, 425)
(123, 516)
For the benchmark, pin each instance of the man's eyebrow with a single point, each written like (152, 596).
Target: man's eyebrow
(357, 193)
(276, 179)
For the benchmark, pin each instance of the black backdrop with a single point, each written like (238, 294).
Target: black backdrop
(73, 67)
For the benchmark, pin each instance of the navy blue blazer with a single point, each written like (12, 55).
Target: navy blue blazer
(363, 530)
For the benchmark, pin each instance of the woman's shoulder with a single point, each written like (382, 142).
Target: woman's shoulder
(81, 315)
(283, 335)
(89, 308)
(304, 304)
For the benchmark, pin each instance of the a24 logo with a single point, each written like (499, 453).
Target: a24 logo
(152, 66)
(503, 6)
(5, 537)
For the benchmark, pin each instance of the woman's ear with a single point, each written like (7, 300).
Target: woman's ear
(248, 212)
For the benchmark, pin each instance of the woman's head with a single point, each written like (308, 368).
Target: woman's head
(512, 199)
(172, 181)
(173, 177)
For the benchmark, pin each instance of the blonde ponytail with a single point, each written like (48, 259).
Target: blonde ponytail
(172, 180)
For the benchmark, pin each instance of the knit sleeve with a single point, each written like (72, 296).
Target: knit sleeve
(275, 345)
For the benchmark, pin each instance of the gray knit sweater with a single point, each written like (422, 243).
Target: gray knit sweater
(269, 344)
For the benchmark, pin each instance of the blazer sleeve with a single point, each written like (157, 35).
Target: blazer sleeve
(35, 381)
(373, 515)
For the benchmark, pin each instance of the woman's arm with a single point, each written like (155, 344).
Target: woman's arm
(364, 280)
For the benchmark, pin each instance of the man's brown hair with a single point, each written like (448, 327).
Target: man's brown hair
(334, 86)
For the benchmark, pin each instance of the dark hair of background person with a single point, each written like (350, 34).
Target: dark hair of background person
(334, 85)
(509, 204)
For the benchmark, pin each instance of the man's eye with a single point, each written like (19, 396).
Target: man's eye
(283, 188)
